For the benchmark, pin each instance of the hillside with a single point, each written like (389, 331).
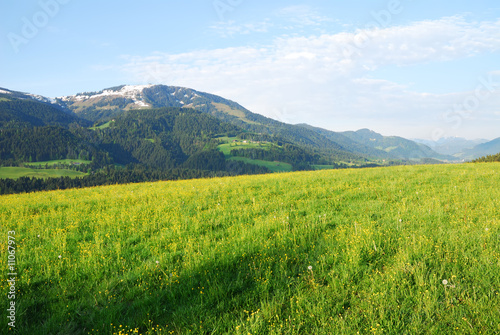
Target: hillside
(167, 143)
(483, 149)
(142, 145)
(108, 103)
(356, 145)
(43, 144)
(103, 106)
(20, 110)
(452, 145)
(395, 250)
(395, 146)
(152, 129)
(489, 159)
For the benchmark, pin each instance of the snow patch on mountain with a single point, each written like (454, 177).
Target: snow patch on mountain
(5, 92)
(41, 98)
(132, 92)
(142, 104)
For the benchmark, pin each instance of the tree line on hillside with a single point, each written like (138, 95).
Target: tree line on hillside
(111, 175)
(488, 159)
(20, 113)
(159, 139)
(45, 143)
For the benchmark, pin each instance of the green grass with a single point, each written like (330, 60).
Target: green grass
(323, 167)
(60, 161)
(325, 252)
(388, 149)
(242, 144)
(17, 172)
(103, 126)
(272, 166)
(248, 144)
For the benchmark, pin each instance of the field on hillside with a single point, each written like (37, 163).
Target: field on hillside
(399, 250)
(60, 161)
(232, 143)
(18, 172)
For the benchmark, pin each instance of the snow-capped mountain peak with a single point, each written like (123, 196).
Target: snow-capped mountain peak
(132, 92)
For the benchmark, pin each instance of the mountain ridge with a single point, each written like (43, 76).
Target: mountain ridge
(322, 140)
(451, 145)
(102, 106)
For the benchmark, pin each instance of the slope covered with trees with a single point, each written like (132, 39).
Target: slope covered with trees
(18, 113)
(488, 159)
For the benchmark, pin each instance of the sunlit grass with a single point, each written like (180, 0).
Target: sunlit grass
(60, 161)
(325, 252)
(18, 172)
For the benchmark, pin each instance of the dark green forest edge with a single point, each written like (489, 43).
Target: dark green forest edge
(161, 144)
(488, 159)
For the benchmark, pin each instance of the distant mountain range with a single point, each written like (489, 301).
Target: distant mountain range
(98, 108)
(462, 148)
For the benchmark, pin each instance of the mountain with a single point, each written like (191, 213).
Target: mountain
(26, 96)
(151, 132)
(20, 110)
(483, 149)
(395, 146)
(101, 107)
(451, 145)
(350, 144)
(104, 105)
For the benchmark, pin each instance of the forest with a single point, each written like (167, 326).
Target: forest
(140, 145)
(134, 173)
(488, 159)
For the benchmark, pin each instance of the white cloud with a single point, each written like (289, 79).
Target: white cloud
(323, 80)
(285, 19)
(227, 29)
(303, 15)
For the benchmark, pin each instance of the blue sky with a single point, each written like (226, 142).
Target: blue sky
(417, 69)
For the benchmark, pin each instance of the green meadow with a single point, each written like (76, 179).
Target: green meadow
(397, 250)
(272, 166)
(234, 143)
(231, 143)
(18, 172)
(60, 161)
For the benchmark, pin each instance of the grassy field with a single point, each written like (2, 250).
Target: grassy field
(103, 126)
(17, 172)
(399, 250)
(60, 161)
(226, 148)
(272, 166)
